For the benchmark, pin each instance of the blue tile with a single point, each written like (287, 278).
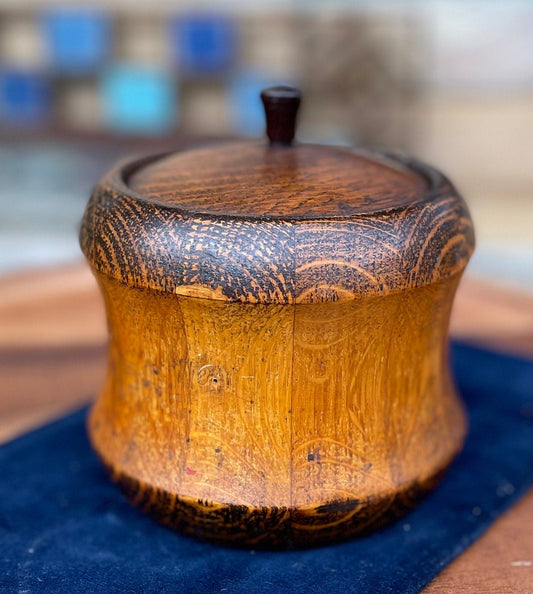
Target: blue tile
(204, 44)
(78, 41)
(24, 98)
(139, 100)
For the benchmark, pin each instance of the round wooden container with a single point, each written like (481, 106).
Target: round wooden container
(278, 319)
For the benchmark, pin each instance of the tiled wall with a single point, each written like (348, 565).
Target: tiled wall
(140, 73)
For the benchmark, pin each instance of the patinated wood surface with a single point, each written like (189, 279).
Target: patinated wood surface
(46, 317)
(276, 411)
(278, 316)
(406, 234)
(295, 182)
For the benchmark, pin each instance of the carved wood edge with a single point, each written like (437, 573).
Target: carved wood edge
(146, 244)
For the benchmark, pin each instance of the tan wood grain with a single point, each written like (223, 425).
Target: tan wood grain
(484, 314)
(278, 371)
(239, 405)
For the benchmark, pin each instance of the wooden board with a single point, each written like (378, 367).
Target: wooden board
(52, 359)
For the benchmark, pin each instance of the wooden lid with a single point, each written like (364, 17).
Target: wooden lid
(277, 224)
(296, 182)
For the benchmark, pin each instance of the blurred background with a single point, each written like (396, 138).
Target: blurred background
(82, 85)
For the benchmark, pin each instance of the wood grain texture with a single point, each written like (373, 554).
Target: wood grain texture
(314, 419)
(284, 260)
(298, 182)
(43, 315)
(277, 381)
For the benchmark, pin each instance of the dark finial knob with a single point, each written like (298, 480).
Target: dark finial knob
(281, 105)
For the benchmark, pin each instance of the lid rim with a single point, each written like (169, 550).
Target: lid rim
(250, 260)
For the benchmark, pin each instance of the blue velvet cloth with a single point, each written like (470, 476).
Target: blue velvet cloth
(66, 528)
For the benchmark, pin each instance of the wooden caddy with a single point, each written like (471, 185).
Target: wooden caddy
(278, 321)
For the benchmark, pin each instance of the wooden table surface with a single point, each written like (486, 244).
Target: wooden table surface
(52, 360)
